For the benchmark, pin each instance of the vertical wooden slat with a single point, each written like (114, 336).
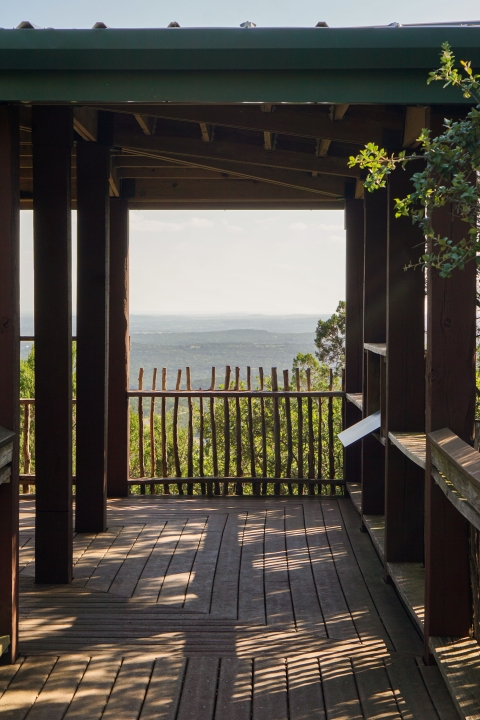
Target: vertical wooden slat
(9, 367)
(264, 432)
(27, 457)
(354, 256)
(331, 437)
(276, 431)
(311, 436)
(153, 456)
(201, 449)
(166, 486)
(118, 460)
(299, 431)
(251, 439)
(190, 434)
(288, 417)
(213, 427)
(238, 432)
(52, 138)
(320, 445)
(93, 275)
(226, 429)
(141, 457)
(178, 469)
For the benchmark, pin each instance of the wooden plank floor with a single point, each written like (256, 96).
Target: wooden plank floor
(225, 609)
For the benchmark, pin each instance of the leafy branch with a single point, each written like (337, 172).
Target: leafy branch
(452, 161)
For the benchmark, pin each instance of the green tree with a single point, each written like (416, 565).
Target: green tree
(330, 339)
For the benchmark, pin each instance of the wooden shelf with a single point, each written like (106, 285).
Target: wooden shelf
(375, 525)
(377, 348)
(356, 399)
(458, 660)
(409, 579)
(379, 437)
(411, 444)
(4, 643)
(457, 499)
(355, 492)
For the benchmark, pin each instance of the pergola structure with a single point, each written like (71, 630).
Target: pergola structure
(107, 120)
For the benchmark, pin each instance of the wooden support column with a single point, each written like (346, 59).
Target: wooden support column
(355, 226)
(374, 331)
(52, 138)
(119, 353)
(9, 368)
(405, 379)
(93, 239)
(450, 403)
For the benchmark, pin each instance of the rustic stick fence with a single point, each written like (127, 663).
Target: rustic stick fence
(232, 439)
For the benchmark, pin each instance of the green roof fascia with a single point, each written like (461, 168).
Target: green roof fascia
(378, 65)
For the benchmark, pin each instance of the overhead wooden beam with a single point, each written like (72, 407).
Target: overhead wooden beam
(85, 122)
(269, 141)
(207, 132)
(416, 118)
(146, 123)
(362, 125)
(52, 143)
(322, 148)
(337, 112)
(284, 203)
(9, 368)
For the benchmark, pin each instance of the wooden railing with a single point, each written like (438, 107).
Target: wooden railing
(263, 437)
(244, 437)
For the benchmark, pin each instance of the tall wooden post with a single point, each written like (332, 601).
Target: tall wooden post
(119, 352)
(405, 380)
(450, 403)
(93, 239)
(9, 368)
(374, 331)
(52, 138)
(355, 226)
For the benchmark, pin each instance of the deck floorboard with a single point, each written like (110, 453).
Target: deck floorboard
(210, 609)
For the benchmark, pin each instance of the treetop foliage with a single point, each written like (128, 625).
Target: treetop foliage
(330, 339)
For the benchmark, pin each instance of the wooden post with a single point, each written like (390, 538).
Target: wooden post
(355, 227)
(118, 462)
(374, 331)
(450, 403)
(405, 377)
(52, 138)
(9, 368)
(93, 239)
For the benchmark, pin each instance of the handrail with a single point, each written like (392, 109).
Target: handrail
(235, 393)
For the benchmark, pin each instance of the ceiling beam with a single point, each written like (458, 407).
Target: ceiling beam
(85, 122)
(362, 125)
(337, 112)
(146, 123)
(233, 153)
(207, 132)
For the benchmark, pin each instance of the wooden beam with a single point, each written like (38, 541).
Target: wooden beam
(9, 368)
(119, 353)
(405, 381)
(354, 226)
(93, 205)
(337, 112)
(450, 404)
(146, 123)
(52, 135)
(221, 151)
(262, 204)
(374, 331)
(269, 141)
(207, 132)
(362, 125)
(416, 118)
(323, 147)
(228, 190)
(85, 122)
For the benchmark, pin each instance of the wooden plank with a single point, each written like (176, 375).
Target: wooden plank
(25, 687)
(152, 577)
(355, 493)
(200, 586)
(374, 689)
(411, 695)
(225, 588)
(269, 690)
(278, 598)
(132, 567)
(276, 431)
(411, 444)
(93, 250)
(52, 138)
(226, 429)
(7, 673)
(456, 499)
(335, 610)
(94, 690)
(234, 698)
(459, 662)
(129, 690)
(89, 561)
(177, 577)
(107, 569)
(305, 695)
(57, 693)
(251, 599)
(356, 399)
(119, 355)
(163, 695)
(409, 579)
(198, 694)
(190, 431)
(375, 525)
(437, 689)
(341, 698)
(141, 448)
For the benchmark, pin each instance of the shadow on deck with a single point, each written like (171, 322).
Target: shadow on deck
(196, 609)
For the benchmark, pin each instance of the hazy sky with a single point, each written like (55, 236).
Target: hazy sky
(233, 261)
(253, 261)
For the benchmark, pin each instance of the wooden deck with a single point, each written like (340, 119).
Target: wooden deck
(234, 608)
